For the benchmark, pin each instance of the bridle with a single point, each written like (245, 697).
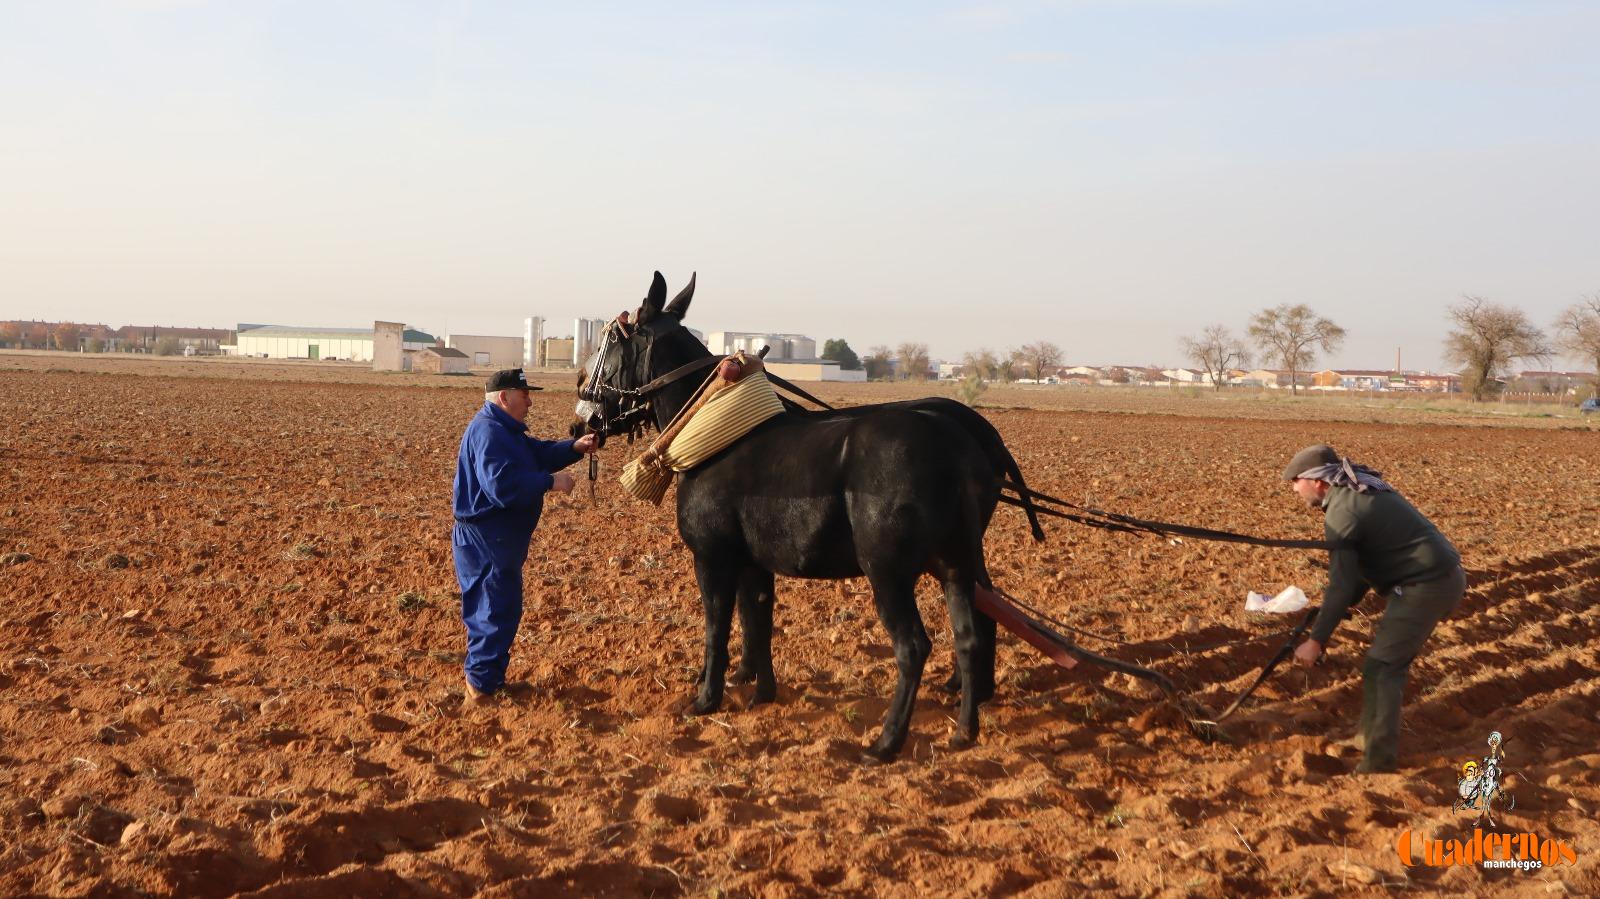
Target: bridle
(633, 403)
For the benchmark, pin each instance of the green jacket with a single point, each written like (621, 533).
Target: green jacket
(1386, 543)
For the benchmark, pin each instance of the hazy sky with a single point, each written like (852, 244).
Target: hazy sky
(1106, 175)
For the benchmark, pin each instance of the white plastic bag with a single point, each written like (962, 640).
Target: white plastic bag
(1292, 599)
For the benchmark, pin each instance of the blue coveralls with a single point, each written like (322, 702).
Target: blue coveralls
(502, 476)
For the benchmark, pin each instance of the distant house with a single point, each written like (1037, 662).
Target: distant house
(1127, 374)
(1563, 382)
(1352, 379)
(1275, 378)
(1186, 375)
(442, 361)
(144, 338)
(1440, 383)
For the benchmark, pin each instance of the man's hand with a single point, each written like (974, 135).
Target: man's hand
(563, 482)
(1307, 653)
(587, 444)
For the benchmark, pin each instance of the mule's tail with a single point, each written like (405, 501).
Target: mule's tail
(1000, 457)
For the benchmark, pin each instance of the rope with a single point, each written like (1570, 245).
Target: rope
(1113, 521)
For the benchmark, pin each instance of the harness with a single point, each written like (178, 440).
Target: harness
(631, 418)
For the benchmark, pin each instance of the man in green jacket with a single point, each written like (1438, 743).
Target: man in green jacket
(1387, 546)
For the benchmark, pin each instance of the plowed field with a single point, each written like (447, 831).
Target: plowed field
(230, 663)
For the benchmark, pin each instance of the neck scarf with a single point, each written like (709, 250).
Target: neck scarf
(1347, 474)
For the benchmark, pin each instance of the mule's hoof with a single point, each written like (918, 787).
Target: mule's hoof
(765, 694)
(961, 742)
(953, 685)
(872, 755)
(742, 675)
(702, 706)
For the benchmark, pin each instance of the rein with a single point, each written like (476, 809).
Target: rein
(1099, 518)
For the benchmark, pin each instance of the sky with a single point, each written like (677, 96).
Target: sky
(1108, 176)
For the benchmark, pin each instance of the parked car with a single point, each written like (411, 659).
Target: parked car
(1592, 404)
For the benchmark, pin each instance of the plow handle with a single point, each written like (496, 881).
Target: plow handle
(1011, 618)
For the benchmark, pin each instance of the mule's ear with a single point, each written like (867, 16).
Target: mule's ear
(654, 300)
(680, 303)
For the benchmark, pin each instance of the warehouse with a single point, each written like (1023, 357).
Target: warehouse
(352, 344)
(486, 351)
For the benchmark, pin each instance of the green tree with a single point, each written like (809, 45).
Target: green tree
(96, 345)
(168, 346)
(1291, 335)
(837, 350)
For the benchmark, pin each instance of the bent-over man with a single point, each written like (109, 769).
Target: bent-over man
(1388, 546)
(502, 475)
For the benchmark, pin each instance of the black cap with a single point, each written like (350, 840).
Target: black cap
(1309, 458)
(508, 379)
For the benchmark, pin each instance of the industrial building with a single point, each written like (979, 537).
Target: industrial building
(483, 351)
(282, 342)
(784, 346)
(792, 356)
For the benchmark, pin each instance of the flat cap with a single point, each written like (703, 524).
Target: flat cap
(1309, 458)
(508, 379)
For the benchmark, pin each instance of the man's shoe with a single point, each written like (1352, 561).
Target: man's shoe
(1349, 745)
(1367, 767)
(475, 696)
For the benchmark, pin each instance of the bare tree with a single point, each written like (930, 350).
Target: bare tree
(1009, 368)
(1216, 351)
(1291, 335)
(10, 333)
(1037, 357)
(913, 361)
(37, 335)
(1578, 332)
(982, 362)
(877, 364)
(1489, 337)
(66, 336)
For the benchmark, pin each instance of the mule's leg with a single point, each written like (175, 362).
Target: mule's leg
(757, 597)
(958, 598)
(983, 651)
(983, 648)
(718, 587)
(896, 601)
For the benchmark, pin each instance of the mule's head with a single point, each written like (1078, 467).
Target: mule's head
(633, 351)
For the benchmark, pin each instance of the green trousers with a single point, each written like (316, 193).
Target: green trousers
(1406, 625)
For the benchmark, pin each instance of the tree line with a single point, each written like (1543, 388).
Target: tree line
(1486, 340)
(71, 336)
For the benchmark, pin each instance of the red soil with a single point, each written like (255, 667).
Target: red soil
(231, 663)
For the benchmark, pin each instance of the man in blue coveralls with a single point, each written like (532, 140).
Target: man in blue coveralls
(502, 475)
